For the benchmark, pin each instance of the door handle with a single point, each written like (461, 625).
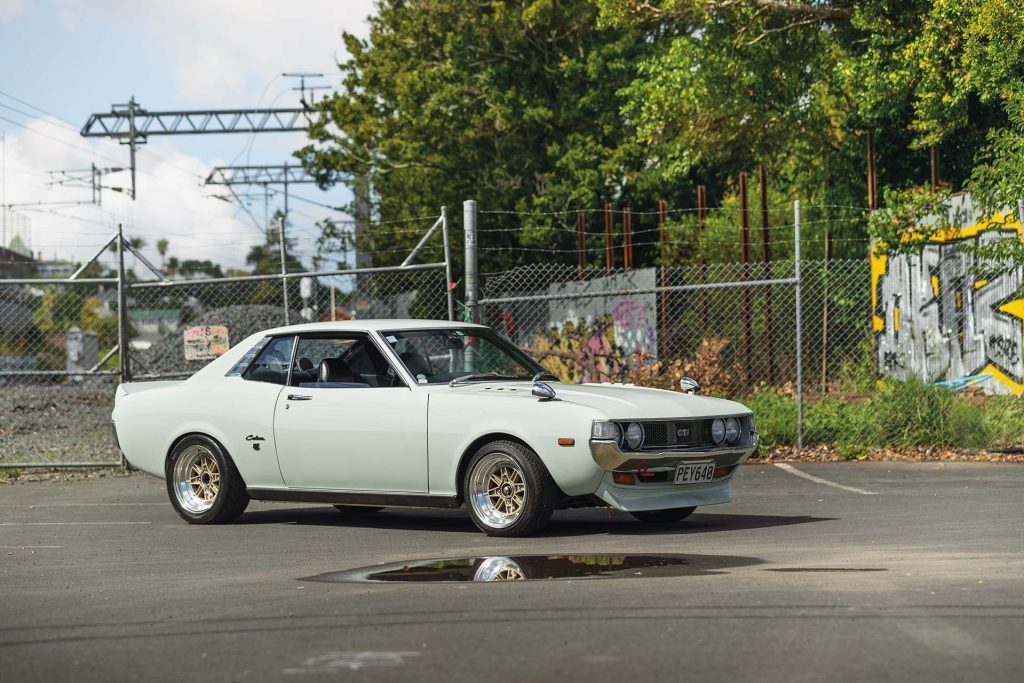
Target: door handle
(299, 397)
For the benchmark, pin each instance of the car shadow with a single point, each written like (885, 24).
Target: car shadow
(563, 523)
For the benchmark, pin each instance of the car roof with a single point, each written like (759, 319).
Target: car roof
(375, 325)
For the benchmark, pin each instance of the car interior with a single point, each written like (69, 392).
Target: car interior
(341, 363)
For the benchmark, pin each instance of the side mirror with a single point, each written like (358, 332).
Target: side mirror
(689, 385)
(543, 391)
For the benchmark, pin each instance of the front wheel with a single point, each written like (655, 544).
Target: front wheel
(203, 484)
(507, 490)
(663, 516)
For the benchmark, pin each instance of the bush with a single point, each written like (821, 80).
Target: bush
(898, 414)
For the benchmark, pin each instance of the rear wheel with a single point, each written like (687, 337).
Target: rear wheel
(356, 509)
(663, 516)
(507, 490)
(203, 484)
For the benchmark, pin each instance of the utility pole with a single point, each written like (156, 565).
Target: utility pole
(3, 184)
(91, 178)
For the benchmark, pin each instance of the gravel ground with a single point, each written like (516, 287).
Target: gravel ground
(58, 423)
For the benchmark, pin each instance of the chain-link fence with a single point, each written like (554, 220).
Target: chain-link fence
(59, 355)
(731, 325)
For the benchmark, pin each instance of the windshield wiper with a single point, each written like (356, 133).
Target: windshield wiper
(542, 375)
(482, 377)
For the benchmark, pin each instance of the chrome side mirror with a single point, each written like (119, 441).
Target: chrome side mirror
(543, 391)
(689, 385)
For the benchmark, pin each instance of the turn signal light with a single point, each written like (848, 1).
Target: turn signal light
(566, 442)
(723, 471)
(623, 478)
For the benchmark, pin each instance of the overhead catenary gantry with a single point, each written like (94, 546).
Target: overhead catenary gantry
(131, 124)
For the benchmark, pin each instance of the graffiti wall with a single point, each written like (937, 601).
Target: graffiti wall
(634, 316)
(936, 318)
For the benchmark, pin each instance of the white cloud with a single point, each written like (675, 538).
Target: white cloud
(11, 9)
(172, 202)
(220, 51)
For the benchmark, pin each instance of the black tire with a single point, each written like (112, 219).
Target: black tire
(230, 498)
(663, 516)
(539, 490)
(356, 509)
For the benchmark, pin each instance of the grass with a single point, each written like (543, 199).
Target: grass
(894, 415)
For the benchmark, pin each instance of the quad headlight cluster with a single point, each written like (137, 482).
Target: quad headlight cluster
(631, 436)
(725, 430)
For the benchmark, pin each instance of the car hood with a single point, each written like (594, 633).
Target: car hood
(620, 401)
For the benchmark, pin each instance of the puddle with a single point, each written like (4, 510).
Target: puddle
(827, 569)
(539, 567)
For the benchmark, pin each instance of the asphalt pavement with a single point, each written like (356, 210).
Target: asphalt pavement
(861, 571)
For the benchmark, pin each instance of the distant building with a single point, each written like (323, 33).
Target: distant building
(14, 264)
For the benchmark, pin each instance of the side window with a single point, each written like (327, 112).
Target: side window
(341, 362)
(272, 365)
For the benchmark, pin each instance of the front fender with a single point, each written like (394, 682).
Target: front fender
(456, 422)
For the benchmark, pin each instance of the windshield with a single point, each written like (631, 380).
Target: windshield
(440, 356)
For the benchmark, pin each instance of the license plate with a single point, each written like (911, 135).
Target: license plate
(696, 473)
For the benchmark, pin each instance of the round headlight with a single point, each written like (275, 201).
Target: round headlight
(718, 430)
(732, 430)
(634, 435)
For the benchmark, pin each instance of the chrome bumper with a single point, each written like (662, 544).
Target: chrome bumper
(609, 456)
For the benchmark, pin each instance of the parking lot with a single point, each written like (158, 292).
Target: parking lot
(865, 571)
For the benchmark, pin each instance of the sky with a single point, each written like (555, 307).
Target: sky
(61, 60)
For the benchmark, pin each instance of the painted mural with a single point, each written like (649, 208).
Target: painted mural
(936, 318)
(634, 316)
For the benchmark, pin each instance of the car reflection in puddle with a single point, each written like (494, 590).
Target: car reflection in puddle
(539, 567)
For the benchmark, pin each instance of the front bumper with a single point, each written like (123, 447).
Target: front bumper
(609, 456)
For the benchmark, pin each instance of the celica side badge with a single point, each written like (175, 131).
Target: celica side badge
(255, 438)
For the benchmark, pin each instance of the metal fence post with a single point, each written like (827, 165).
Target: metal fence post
(799, 340)
(284, 268)
(469, 226)
(448, 284)
(124, 362)
(1020, 211)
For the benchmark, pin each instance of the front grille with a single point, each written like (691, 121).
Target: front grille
(674, 433)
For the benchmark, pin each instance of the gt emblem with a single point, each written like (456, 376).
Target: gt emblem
(682, 432)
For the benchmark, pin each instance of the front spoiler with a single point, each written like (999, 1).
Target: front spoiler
(609, 456)
(641, 498)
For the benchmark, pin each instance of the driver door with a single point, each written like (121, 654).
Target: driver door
(352, 425)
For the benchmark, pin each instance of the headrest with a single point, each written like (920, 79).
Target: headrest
(335, 370)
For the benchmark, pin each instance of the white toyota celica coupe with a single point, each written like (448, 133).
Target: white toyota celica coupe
(386, 413)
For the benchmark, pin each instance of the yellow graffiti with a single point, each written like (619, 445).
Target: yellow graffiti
(880, 266)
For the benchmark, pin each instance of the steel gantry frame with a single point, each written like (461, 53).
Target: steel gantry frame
(283, 174)
(131, 125)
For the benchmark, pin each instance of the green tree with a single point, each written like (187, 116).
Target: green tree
(516, 105)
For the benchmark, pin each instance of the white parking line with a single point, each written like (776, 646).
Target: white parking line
(82, 505)
(852, 489)
(66, 523)
(28, 547)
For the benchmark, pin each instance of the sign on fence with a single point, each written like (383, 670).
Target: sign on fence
(206, 342)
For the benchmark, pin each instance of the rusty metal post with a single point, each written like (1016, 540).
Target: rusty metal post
(702, 270)
(745, 270)
(872, 180)
(663, 279)
(609, 256)
(627, 238)
(766, 259)
(935, 168)
(581, 243)
(824, 308)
